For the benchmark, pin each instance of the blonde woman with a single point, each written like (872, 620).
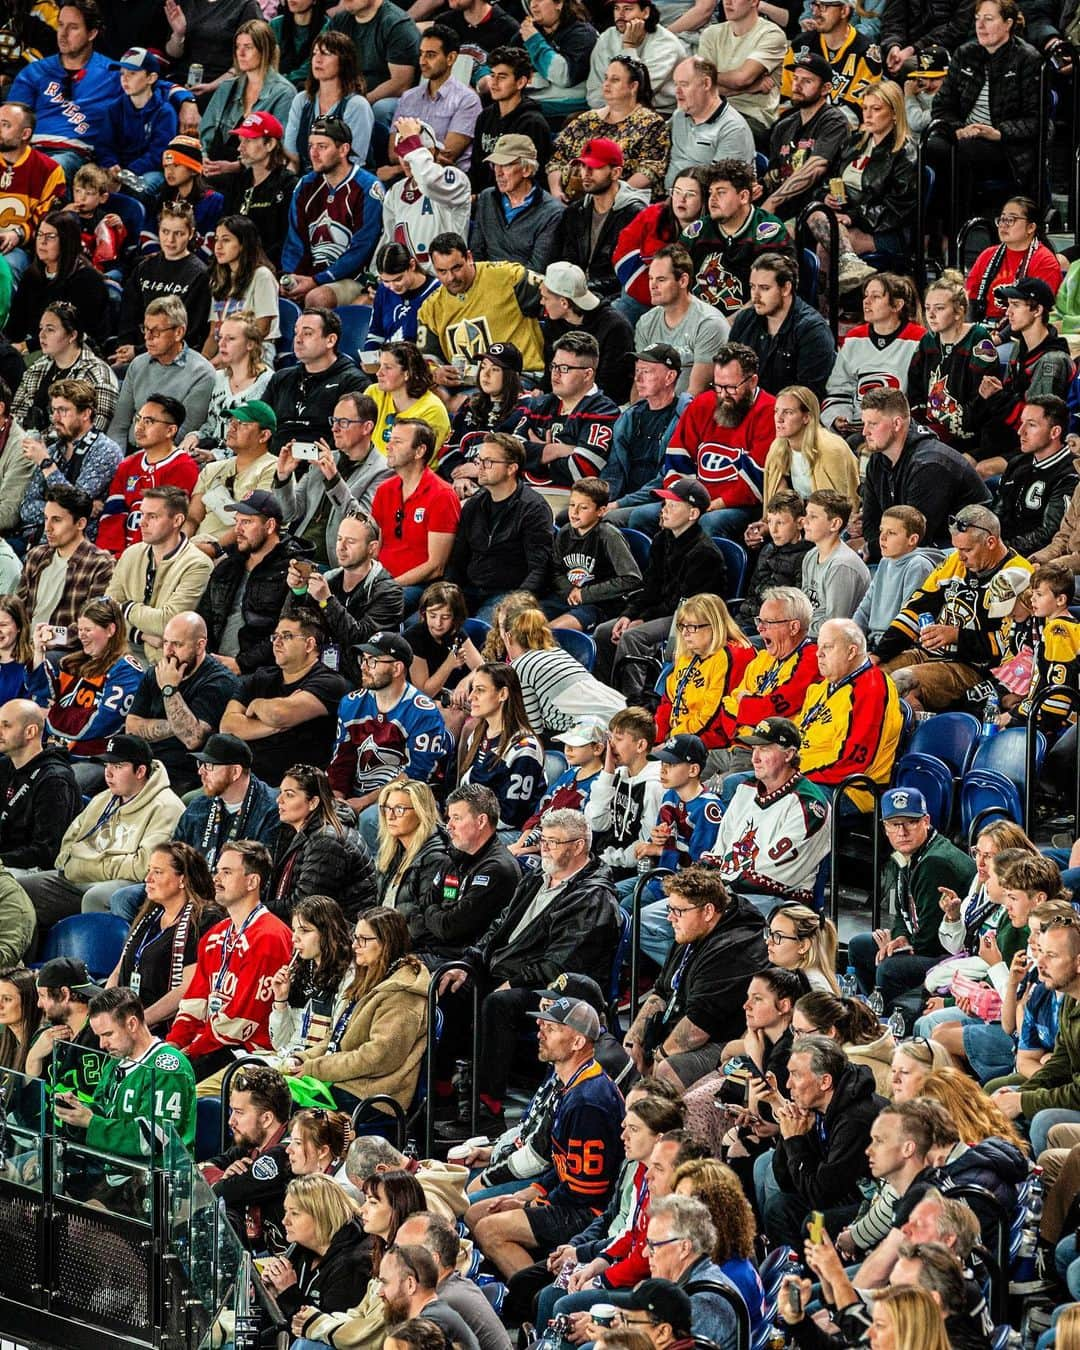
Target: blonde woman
(907, 1319)
(557, 689)
(799, 939)
(974, 1114)
(805, 456)
(711, 653)
(242, 376)
(325, 1268)
(949, 364)
(412, 847)
(257, 86)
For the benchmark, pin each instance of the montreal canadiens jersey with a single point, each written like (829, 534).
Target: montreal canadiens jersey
(374, 747)
(121, 516)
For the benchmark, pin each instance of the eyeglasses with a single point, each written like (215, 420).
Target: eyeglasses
(47, 236)
(395, 812)
(490, 463)
(375, 660)
(621, 1319)
(692, 627)
(561, 368)
(981, 854)
(903, 823)
(653, 1243)
(730, 388)
(362, 940)
(557, 843)
(157, 332)
(346, 421)
(284, 637)
(676, 911)
(771, 623)
(1009, 220)
(958, 525)
(773, 936)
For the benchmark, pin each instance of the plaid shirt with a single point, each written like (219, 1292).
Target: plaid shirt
(89, 572)
(87, 367)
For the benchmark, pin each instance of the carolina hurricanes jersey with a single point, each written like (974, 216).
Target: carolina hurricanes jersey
(229, 999)
(774, 843)
(865, 362)
(121, 518)
(374, 747)
(729, 461)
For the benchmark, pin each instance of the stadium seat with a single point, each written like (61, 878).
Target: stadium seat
(640, 545)
(132, 214)
(555, 765)
(809, 275)
(951, 737)
(983, 791)
(933, 778)
(735, 561)
(207, 1128)
(476, 630)
(997, 775)
(495, 1293)
(288, 313)
(580, 645)
(622, 956)
(96, 939)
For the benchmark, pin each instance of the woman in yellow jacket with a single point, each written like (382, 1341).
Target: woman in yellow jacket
(805, 455)
(711, 653)
(404, 388)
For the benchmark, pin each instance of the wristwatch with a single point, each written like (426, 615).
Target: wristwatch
(167, 690)
(48, 462)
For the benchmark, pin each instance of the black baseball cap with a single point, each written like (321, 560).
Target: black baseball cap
(387, 644)
(123, 749)
(580, 987)
(664, 1301)
(1032, 289)
(660, 354)
(221, 748)
(259, 503)
(504, 354)
(334, 127)
(815, 63)
(68, 972)
(772, 731)
(686, 490)
(682, 749)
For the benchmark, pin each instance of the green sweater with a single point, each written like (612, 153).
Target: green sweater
(911, 892)
(1057, 1083)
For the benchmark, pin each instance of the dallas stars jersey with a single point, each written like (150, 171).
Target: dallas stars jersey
(373, 747)
(773, 844)
(497, 307)
(135, 1099)
(856, 65)
(849, 727)
(722, 262)
(969, 601)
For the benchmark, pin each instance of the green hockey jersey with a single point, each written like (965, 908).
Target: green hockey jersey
(135, 1100)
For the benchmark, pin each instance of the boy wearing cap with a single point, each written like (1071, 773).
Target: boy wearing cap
(584, 746)
(568, 306)
(182, 168)
(249, 468)
(140, 124)
(515, 220)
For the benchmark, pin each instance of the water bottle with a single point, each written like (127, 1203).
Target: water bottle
(644, 865)
(990, 713)
(849, 984)
(876, 1003)
(897, 1025)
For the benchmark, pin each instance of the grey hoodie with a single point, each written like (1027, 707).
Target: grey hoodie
(300, 500)
(893, 581)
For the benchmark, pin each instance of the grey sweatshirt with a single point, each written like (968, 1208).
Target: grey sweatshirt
(835, 587)
(894, 580)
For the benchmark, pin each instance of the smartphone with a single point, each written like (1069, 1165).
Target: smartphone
(58, 635)
(305, 450)
(794, 1299)
(816, 1227)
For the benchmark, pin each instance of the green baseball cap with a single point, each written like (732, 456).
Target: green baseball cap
(255, 410)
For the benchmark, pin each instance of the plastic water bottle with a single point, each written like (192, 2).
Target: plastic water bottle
(876, 1003)
(990, 715)
(849, 984)
(897, 1025)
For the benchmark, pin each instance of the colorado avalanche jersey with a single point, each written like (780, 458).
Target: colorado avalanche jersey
(516, 776)
(374, 747)
(694, 826)
(333, 230)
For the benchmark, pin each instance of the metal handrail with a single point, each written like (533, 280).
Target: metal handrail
(818, 208)
(731, 1296)
(429, 1068)
(856, 782)
(947, 131)
(635, 931)
(1044, 696)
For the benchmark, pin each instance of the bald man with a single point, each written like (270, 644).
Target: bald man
(180, 700)
(39, 797)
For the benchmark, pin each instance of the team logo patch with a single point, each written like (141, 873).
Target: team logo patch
(481, 881)
(768, 229)
(713, 813)
(692, 231)
(264, 1168)
(167, 1062)
(900, 800)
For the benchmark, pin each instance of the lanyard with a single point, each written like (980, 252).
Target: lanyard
(232, 937)
(678, 705)
(339, 1027)
(676, 981)
(830, 689)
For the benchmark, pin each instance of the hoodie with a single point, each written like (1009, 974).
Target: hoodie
(136, 138)
(112, 840)
(331, 1283)
(37, 803)
(894, 580)
(824, 1166)
(574, 239)
(993, 1165)
(622, 810)
(304, 400)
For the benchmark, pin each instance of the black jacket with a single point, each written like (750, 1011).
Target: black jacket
(824, 1174)
(994, 1165)
(801, 352)
(256, 1194)
(775, 567)
(266, 205)
(264, 597)
(579, 931)
(929, 475)
(1032, 497)
(1013, 72)
(37, 804)
(468, 893)
(1046, 368)
(886, 200)
(304, 402)
(678, 567)
(906, 22)
(615, 338)
(334, 1284)
(574, 240)
(376, 605)
(414, 894)
(503, 546)
(318, 861)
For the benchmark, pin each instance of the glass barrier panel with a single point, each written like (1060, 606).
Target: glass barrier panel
(22, 1129)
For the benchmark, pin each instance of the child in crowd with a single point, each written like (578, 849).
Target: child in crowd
(594, 568)
(182, 169)
(833, 575)
(584, 747)
(625, 799)
(141, 123)
(103, 232)
(781, 559)
(903, 568)
(1043, 650)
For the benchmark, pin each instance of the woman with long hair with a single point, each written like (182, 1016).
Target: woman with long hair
(885, 342)
(805, 456)
(296, 28)
(20, 1016)
(906, 1318)
(324, 1268)
(974, 1114)
(559, 38)
(721, 1191)
(242, 375)
(628, 119)
(557, 689)
(60, 271)
(497, 405)
(318, 1142)
(242, 281)
(65, 355)
(403, 287)
(659, 224)
(315, 854)
(334, 88)
(404, 388)
(502, 752)
(378, 1029)
(304, 990)
(258, 86)
(1020, 252)
(711, 653)
(158, 958)
(879, 170)
(797, 938)
(850, 1023)
(412, 848)
(17, 649)
(88, 692)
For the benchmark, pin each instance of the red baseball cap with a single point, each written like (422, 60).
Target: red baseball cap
(600, 154)
(259, 124)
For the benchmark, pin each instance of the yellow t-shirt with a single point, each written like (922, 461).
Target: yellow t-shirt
(428, 408)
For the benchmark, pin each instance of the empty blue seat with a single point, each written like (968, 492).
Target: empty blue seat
(580, 645)
(735, 563)
(640, 545)
(96, 939)
(555, 765)
(933, 778)
(951, 737)
(476, 630)
(355, 322)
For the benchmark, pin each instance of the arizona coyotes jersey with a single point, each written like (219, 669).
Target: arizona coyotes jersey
(374, 747)
(722, 262)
